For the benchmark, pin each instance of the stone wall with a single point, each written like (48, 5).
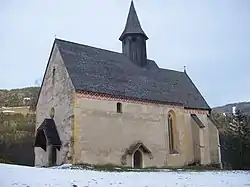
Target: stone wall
(214, 144)
(59, 95)
(196, 142)
(102, 135)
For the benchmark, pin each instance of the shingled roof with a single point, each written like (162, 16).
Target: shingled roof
(47, 134)
(101, 71)
(113, 74)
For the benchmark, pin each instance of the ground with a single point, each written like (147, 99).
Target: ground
(21, 176)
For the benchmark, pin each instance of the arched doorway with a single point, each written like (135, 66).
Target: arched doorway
(137, 159)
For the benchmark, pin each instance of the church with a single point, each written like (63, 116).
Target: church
(102, 107)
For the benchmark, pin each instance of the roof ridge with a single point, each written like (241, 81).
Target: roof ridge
(164, 86)
(93, 47)
(171, 70)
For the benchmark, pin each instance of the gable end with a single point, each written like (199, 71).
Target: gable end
(53, 51)
(46, 69)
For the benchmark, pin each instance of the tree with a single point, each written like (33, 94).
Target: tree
(234, 132)
(33, 101)
(242, 132)
(16, 138)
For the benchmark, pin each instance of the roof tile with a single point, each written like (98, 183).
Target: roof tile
(98, 70)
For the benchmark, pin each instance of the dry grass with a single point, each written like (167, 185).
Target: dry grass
(14, 110)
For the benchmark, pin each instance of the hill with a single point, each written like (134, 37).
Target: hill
(17, 125)
(17, 98)
(227, 109)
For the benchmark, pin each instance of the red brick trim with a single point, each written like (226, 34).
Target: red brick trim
(108, 97)
(101, 96)
(189, 111)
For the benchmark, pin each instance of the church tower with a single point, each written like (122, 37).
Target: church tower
(134, 39)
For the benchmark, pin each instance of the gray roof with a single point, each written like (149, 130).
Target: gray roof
(97, 70)
(133, 25)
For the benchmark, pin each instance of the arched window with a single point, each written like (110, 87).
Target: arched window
(172, 133)
(119, 108)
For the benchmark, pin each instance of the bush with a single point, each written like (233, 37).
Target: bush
(16, 139)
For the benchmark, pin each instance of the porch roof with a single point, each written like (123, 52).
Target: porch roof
(47, 135)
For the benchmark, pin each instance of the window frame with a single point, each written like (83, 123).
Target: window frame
(172, 133)
(119, 107)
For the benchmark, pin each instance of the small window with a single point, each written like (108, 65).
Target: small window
(52, 113)
(119, 108)
(53, 75)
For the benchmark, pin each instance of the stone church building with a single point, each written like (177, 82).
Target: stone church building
(100, 107)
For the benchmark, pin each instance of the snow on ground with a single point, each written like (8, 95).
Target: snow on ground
(20, 176)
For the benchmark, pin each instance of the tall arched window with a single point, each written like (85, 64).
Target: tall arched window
(172, 133)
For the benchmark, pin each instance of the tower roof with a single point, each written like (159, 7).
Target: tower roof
(133, 25)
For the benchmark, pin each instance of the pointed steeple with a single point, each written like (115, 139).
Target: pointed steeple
(133, 25)
(134, 39)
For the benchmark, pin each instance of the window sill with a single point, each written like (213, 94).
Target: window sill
(174, 153)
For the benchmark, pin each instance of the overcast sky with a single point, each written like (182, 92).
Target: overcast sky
(210, 37)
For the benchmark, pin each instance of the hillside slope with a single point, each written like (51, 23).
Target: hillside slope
(18, 97)
(243, 106)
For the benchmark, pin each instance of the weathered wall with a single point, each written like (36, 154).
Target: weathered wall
(214, 143)
(135, 48)
(59, 96)
(204, 140)
(102, 135)
(196, 141)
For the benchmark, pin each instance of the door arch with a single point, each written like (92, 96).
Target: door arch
(137, 159)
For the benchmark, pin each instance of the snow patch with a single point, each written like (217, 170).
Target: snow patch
(23, 176)
(64, 166)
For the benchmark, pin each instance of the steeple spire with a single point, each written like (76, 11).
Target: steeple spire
(133, 25)
(134, 39)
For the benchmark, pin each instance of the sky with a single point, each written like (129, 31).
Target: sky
(210, 37)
